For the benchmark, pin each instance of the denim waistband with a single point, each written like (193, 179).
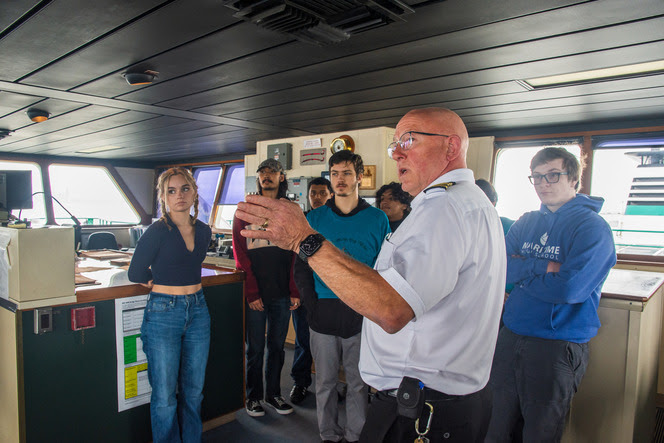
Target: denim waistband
(196, 294)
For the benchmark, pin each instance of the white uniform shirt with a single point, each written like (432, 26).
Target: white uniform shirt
(447, 260)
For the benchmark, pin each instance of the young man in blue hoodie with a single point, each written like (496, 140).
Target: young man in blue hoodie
(557, 258)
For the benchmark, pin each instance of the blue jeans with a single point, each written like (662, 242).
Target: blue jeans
(276, 315)
(176, 341)
(301, 372)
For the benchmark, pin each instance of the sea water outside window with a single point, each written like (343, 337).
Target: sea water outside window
(90, 194)
(36, 215)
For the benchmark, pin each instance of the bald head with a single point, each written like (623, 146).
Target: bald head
(439, 145)
(443, 121)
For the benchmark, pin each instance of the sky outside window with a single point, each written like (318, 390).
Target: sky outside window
(90, 194)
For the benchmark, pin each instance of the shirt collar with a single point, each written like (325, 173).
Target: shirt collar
(455, 175)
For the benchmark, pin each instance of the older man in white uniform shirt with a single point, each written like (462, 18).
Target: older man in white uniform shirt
(433, 301)
(449, 277)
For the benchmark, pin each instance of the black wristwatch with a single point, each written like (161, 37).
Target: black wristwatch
(310, 245)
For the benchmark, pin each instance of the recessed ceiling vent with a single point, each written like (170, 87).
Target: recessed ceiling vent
(320, 22)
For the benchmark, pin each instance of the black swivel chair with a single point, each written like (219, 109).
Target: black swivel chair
(102, 240)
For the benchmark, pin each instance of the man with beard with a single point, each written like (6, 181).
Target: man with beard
(358, 229)
(271, 294)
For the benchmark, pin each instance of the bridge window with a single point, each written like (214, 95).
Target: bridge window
(225, 180)
(516, 195)
(36, 215)
(207, 179)
(231, 193)
(629, 174)
(90, 194)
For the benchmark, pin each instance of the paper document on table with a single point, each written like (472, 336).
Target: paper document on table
(632, 283)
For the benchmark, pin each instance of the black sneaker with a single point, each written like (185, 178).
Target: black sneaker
(279, 404)
(254, 408)
(298, 393)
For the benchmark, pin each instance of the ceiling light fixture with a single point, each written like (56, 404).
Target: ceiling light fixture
(140, 78)
(595, 75)
(37, 115)
(5, 133)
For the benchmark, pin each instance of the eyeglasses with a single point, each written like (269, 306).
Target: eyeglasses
(550, 177)
(406, 141)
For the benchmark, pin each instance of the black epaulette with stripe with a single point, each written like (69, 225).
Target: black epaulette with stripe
(445, 185)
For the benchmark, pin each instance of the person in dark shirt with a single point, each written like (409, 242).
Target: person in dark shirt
(394, 202)
(319, 191)
(176, 322)
(271, 295)
(492, 195)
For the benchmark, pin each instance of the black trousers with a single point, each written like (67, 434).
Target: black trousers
(463, 418)
(533, 381)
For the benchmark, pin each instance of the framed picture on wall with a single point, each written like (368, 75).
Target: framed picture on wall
(369, 177)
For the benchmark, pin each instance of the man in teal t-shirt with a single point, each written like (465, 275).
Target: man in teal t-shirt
(358, 229)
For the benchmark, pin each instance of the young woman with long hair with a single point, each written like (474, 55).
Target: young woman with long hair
(176, 323)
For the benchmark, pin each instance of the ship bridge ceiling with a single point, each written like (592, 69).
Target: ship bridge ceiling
(230, 73)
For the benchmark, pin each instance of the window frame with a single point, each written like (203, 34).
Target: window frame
(43, 163)
(114, 181)
(586, 139)
(222, 182)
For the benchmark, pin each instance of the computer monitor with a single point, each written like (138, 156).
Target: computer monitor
(17, 193)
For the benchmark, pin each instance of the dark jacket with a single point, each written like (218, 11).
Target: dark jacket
(332, 316)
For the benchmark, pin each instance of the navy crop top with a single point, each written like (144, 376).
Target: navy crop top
(165, 251)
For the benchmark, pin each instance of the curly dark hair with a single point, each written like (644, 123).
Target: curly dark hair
(398, 193)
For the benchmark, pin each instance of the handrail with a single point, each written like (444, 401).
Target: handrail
(637, 230)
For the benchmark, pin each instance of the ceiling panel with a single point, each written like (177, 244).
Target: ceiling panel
(138, 133)
(179, 63)
(11, 102)
(482, 67)
(295, 56)
(69, 126)
(428, 58)
(24, 129)
(414, 94)
(225, 84)
(13, 11)
(59, 28)
(136, 43)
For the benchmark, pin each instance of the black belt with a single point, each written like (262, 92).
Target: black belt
(429, 395)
